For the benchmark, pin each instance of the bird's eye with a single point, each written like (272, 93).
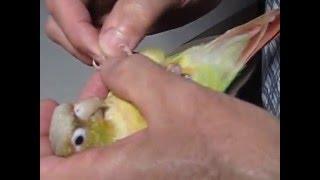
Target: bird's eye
(78, 138)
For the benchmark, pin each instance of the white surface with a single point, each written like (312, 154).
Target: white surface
(62, 76)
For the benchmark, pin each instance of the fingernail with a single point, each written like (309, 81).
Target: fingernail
(112, 42)
(96, 65)
(97, 60)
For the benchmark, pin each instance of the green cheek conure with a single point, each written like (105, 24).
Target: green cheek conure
(98, 122)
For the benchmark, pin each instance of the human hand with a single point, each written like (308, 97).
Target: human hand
(93, 29)
(193, 133)
(48, 161)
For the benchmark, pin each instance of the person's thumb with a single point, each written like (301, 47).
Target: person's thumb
(145, 84)
(128, 22)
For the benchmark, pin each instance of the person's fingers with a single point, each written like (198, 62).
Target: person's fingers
(96, 163)
(94, 87)
(55, 33)
(128, 22)
(47, 164)
(149, 86)
(46, 109)
(74, 20)
(99, 9)
(45, 147)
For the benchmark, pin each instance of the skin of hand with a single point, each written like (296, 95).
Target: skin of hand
(193, 133)
(94, 29)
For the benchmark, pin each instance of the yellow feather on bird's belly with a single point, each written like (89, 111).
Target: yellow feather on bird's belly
(125, 118)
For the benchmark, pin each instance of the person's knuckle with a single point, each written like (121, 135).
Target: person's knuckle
(78, 45)
(53, 5)
(50, 5)
(140, 12)
(109, 69)
(123, 68)
(48, 26)
(142, 9)
(49, 29)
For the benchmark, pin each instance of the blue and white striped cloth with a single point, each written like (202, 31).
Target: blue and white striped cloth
(271, 70)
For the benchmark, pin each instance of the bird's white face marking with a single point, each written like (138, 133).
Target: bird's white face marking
(78, 138)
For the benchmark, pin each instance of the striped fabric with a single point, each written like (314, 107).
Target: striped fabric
(271, 70)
